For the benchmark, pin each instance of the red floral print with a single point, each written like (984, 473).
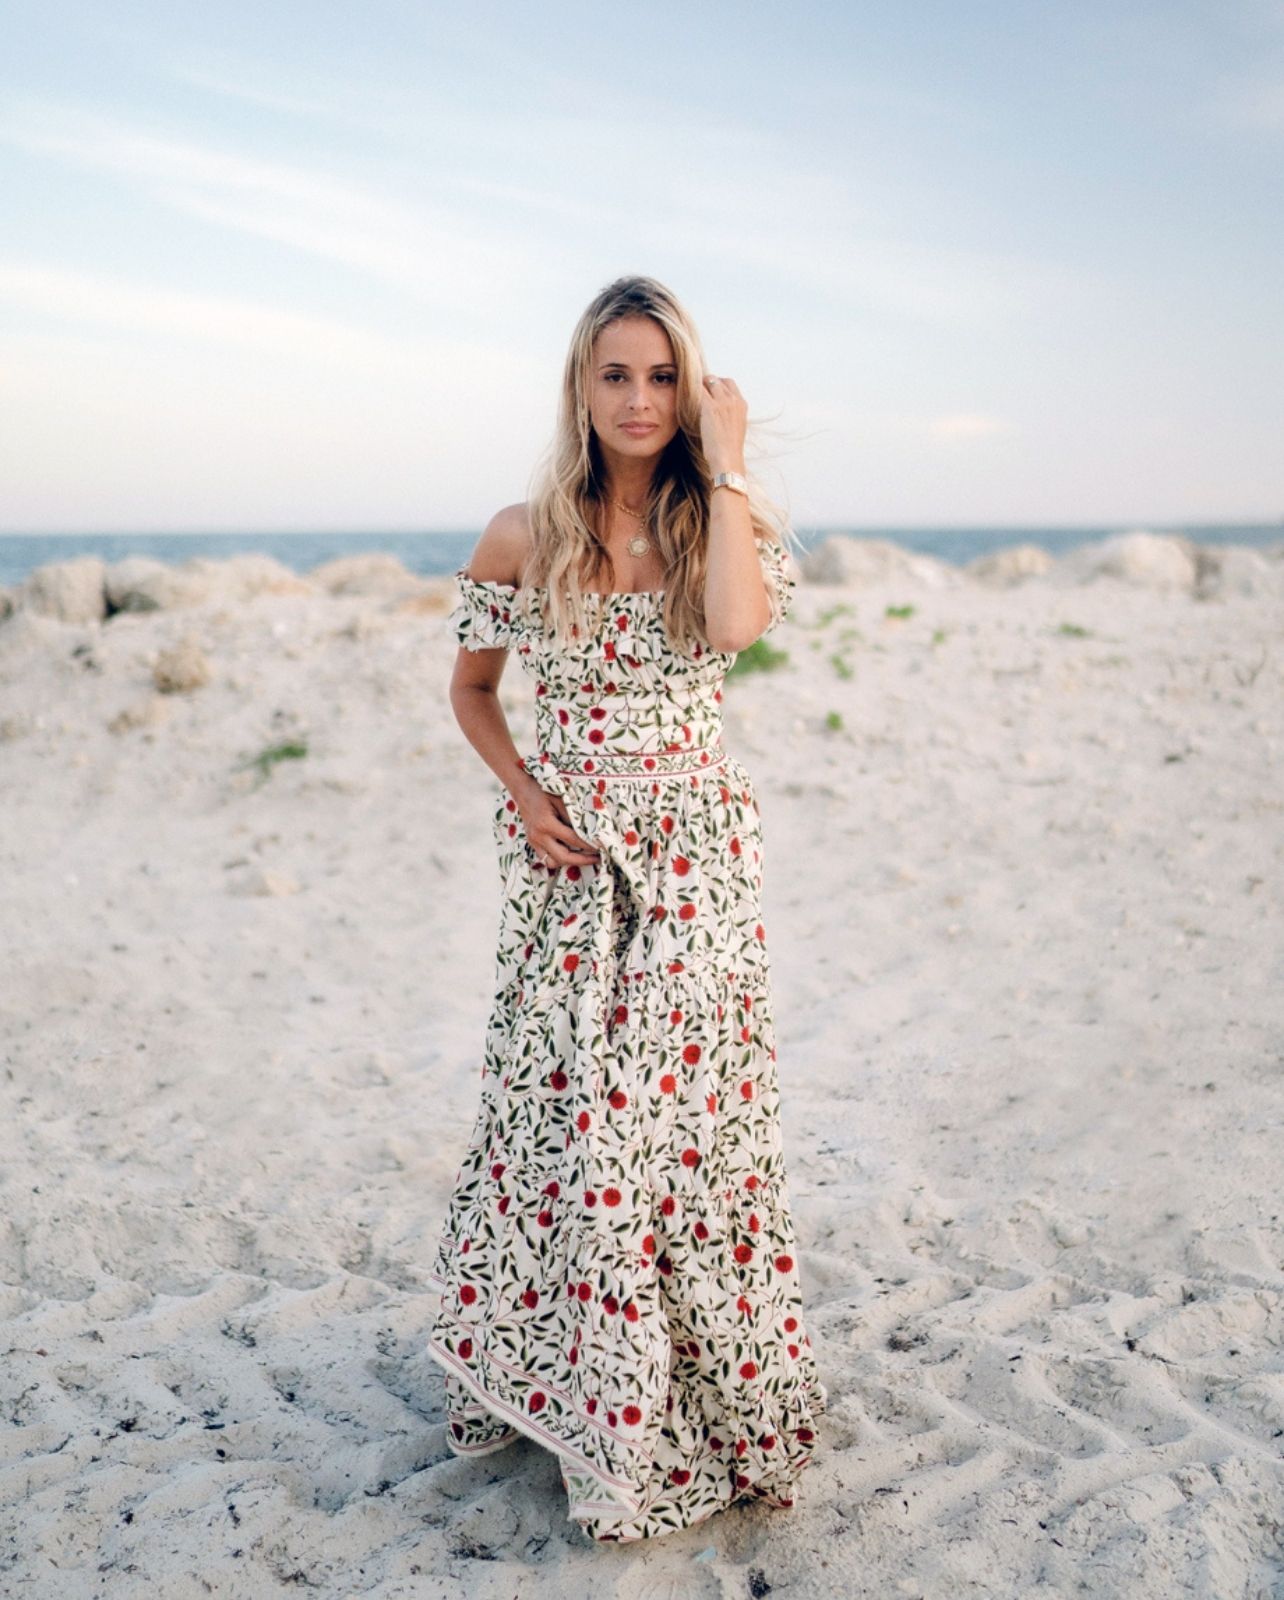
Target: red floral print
(620, 1227)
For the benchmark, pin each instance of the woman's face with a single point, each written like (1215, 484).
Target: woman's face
(633, 387)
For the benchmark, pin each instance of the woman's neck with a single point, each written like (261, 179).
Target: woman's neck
(628, 480)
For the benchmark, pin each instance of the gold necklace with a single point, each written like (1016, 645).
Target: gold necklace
(639, 544)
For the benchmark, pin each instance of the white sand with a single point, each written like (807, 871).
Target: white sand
(1027, 933)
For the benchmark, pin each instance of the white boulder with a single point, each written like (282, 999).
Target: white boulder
(377, 576)
(67, 591)
(845, 559)
(1162, 561)
(1223, 571)
(1011, 565)
(139, 583)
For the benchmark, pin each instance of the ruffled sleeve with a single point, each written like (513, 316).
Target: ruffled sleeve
(778, 570)
(486, 615)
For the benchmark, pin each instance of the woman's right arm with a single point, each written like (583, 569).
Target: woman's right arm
(474, 698)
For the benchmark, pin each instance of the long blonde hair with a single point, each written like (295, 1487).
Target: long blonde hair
(569, 485)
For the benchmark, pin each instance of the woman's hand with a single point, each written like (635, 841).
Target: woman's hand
(724, 416)
(548, 829)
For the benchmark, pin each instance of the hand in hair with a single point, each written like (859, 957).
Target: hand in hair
(724, 418)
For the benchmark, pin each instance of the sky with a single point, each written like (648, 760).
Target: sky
(299, 265)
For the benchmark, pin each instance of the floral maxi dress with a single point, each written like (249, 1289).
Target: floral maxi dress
(617, 1271)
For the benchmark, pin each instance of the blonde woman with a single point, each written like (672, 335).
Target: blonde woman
(617, 1268)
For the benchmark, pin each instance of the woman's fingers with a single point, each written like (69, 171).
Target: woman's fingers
(553, 838)
(557, 844)
(564, 836)
(559, 809)
(554, 854)
(564, 829)
(576, 846)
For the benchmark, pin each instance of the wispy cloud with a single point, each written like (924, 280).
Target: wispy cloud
(232, 88)
(432, 253)
(93, 300)
(818, 230)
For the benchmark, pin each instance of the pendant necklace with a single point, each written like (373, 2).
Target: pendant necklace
(639, 544)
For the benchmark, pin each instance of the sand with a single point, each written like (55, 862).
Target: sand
(1024, 905)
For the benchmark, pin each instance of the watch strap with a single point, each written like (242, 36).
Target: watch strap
(732, 480)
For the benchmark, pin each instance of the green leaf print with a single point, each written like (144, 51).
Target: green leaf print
(635, 1321)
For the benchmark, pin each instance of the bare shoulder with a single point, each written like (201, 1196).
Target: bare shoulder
(501, 552)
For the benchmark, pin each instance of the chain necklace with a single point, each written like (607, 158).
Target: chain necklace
(639, 544)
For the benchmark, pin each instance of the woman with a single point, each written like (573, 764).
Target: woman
(617, 1269)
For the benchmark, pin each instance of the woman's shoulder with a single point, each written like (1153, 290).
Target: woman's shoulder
(501, 553)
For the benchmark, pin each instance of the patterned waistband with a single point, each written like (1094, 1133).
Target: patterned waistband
(666, 763)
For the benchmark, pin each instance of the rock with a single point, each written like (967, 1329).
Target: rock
(138, 583)
(181, 667)
(1162, 561)
(68, 591)
(245, 576)
(380, 576)
(847, 560)
(1233, 569)
(143, 584)
(1011, 565)
(145, 714)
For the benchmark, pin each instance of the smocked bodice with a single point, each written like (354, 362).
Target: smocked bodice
(619, 689)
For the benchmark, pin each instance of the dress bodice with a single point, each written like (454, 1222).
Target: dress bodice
(619, 689)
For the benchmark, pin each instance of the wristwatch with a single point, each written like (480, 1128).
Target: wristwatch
(732, 480)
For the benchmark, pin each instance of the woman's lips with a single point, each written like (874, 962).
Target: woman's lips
(638, 427)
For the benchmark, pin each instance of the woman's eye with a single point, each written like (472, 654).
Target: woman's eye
(665, 377)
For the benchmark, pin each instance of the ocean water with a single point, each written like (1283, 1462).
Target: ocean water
(436, 553)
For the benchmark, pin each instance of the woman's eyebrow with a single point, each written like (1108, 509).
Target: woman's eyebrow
(660, 366)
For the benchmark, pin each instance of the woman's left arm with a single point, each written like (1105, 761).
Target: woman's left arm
(736, 606)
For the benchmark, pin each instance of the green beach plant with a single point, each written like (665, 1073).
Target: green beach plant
(289, 750)
(760, 656)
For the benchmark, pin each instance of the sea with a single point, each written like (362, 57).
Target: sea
(437, 553)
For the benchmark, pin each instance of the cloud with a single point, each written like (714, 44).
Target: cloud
(216, 83)
(810, 228)
(85, 298)
(435, 254)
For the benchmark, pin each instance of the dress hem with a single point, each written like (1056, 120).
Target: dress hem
(582, 1511)
(628, 1503)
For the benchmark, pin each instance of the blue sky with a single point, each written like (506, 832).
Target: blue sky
(315, 266)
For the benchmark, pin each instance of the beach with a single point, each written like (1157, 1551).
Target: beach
(1025, 835)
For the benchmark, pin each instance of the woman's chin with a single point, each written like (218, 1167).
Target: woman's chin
(643, 447)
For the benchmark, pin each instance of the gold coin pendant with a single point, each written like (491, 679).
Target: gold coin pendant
(639, 545)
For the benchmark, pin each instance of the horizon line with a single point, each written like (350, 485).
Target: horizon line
(1126, 524)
